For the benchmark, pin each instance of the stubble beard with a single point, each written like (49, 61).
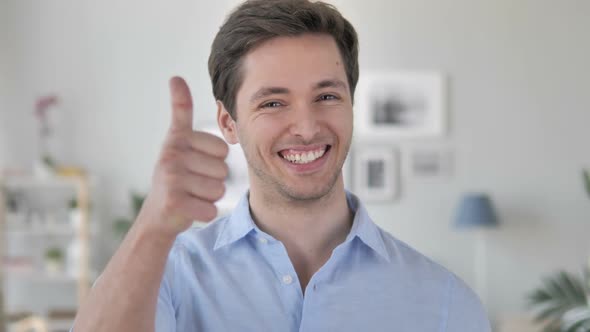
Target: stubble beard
(273, 186)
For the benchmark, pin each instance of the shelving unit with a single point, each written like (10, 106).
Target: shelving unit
(80, 185)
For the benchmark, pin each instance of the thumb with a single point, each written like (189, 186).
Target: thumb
(182, 105)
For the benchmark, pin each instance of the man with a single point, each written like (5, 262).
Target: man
(298, 253)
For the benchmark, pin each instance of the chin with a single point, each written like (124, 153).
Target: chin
(308, 193)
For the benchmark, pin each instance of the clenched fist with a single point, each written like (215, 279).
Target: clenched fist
(189, 176)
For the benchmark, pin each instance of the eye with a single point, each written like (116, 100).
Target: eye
(327, 97)
(271, 104)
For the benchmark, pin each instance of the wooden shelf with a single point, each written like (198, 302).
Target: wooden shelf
(81, 184)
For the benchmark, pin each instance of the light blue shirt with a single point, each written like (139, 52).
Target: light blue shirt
(231, 276)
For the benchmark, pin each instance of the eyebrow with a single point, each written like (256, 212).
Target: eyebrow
(335, 83)
(267, 91)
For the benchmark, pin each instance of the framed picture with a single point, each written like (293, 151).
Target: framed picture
(400, 105)
(376, 173)
(431, 162)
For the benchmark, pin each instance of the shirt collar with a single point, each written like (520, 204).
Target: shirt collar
(240, 223)
(364, 228)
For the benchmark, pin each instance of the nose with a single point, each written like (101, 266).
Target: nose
(304, 123)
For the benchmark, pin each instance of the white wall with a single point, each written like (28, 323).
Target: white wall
(5, 58)
(519, 115)
(519, 108)
(3, 80)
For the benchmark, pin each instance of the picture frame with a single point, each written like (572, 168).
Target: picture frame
(400, 104)
(376, 173)
(430, 162)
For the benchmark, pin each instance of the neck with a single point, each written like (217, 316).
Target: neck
(310, 230)
(310, 226)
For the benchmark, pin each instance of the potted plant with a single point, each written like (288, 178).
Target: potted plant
(73, 248)
(54, 258)
(563, 301)
(75, 215)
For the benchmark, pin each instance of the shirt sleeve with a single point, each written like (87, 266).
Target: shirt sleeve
(165, 313)
(465, 311)
(165, 310)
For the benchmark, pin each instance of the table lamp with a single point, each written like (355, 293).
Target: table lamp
(476, 212)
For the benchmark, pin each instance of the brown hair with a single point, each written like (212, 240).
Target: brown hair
(256, 21)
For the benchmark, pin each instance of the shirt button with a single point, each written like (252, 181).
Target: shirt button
(287, 279)
(262, 240)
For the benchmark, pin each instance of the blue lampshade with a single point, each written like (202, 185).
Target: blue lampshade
(475, 210)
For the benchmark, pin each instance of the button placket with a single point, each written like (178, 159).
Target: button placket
(275, 254)
(287, 281)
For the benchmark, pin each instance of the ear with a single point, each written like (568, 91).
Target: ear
(227, 125)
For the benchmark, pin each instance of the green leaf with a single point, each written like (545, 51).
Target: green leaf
(54, 253)
(73, 203)
(137, 202)
(558, 294)
(122, 225)
(577, 319)
(552, 327)
(47, 160)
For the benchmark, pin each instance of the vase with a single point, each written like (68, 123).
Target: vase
(75, 216)
(41, 170)
(73, 259)
(53, 266)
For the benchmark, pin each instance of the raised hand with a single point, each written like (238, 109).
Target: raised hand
(189, 176)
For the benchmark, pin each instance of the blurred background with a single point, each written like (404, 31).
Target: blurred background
(84, 95)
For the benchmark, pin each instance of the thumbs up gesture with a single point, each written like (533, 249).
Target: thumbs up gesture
(189, 175)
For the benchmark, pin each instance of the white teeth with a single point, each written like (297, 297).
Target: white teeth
(305, 157)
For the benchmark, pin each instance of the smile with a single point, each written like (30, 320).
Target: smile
(303, 157)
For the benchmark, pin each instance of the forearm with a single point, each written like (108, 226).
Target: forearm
(125, 296)
(187, 180)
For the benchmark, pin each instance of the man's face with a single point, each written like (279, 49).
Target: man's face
(294, 116)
